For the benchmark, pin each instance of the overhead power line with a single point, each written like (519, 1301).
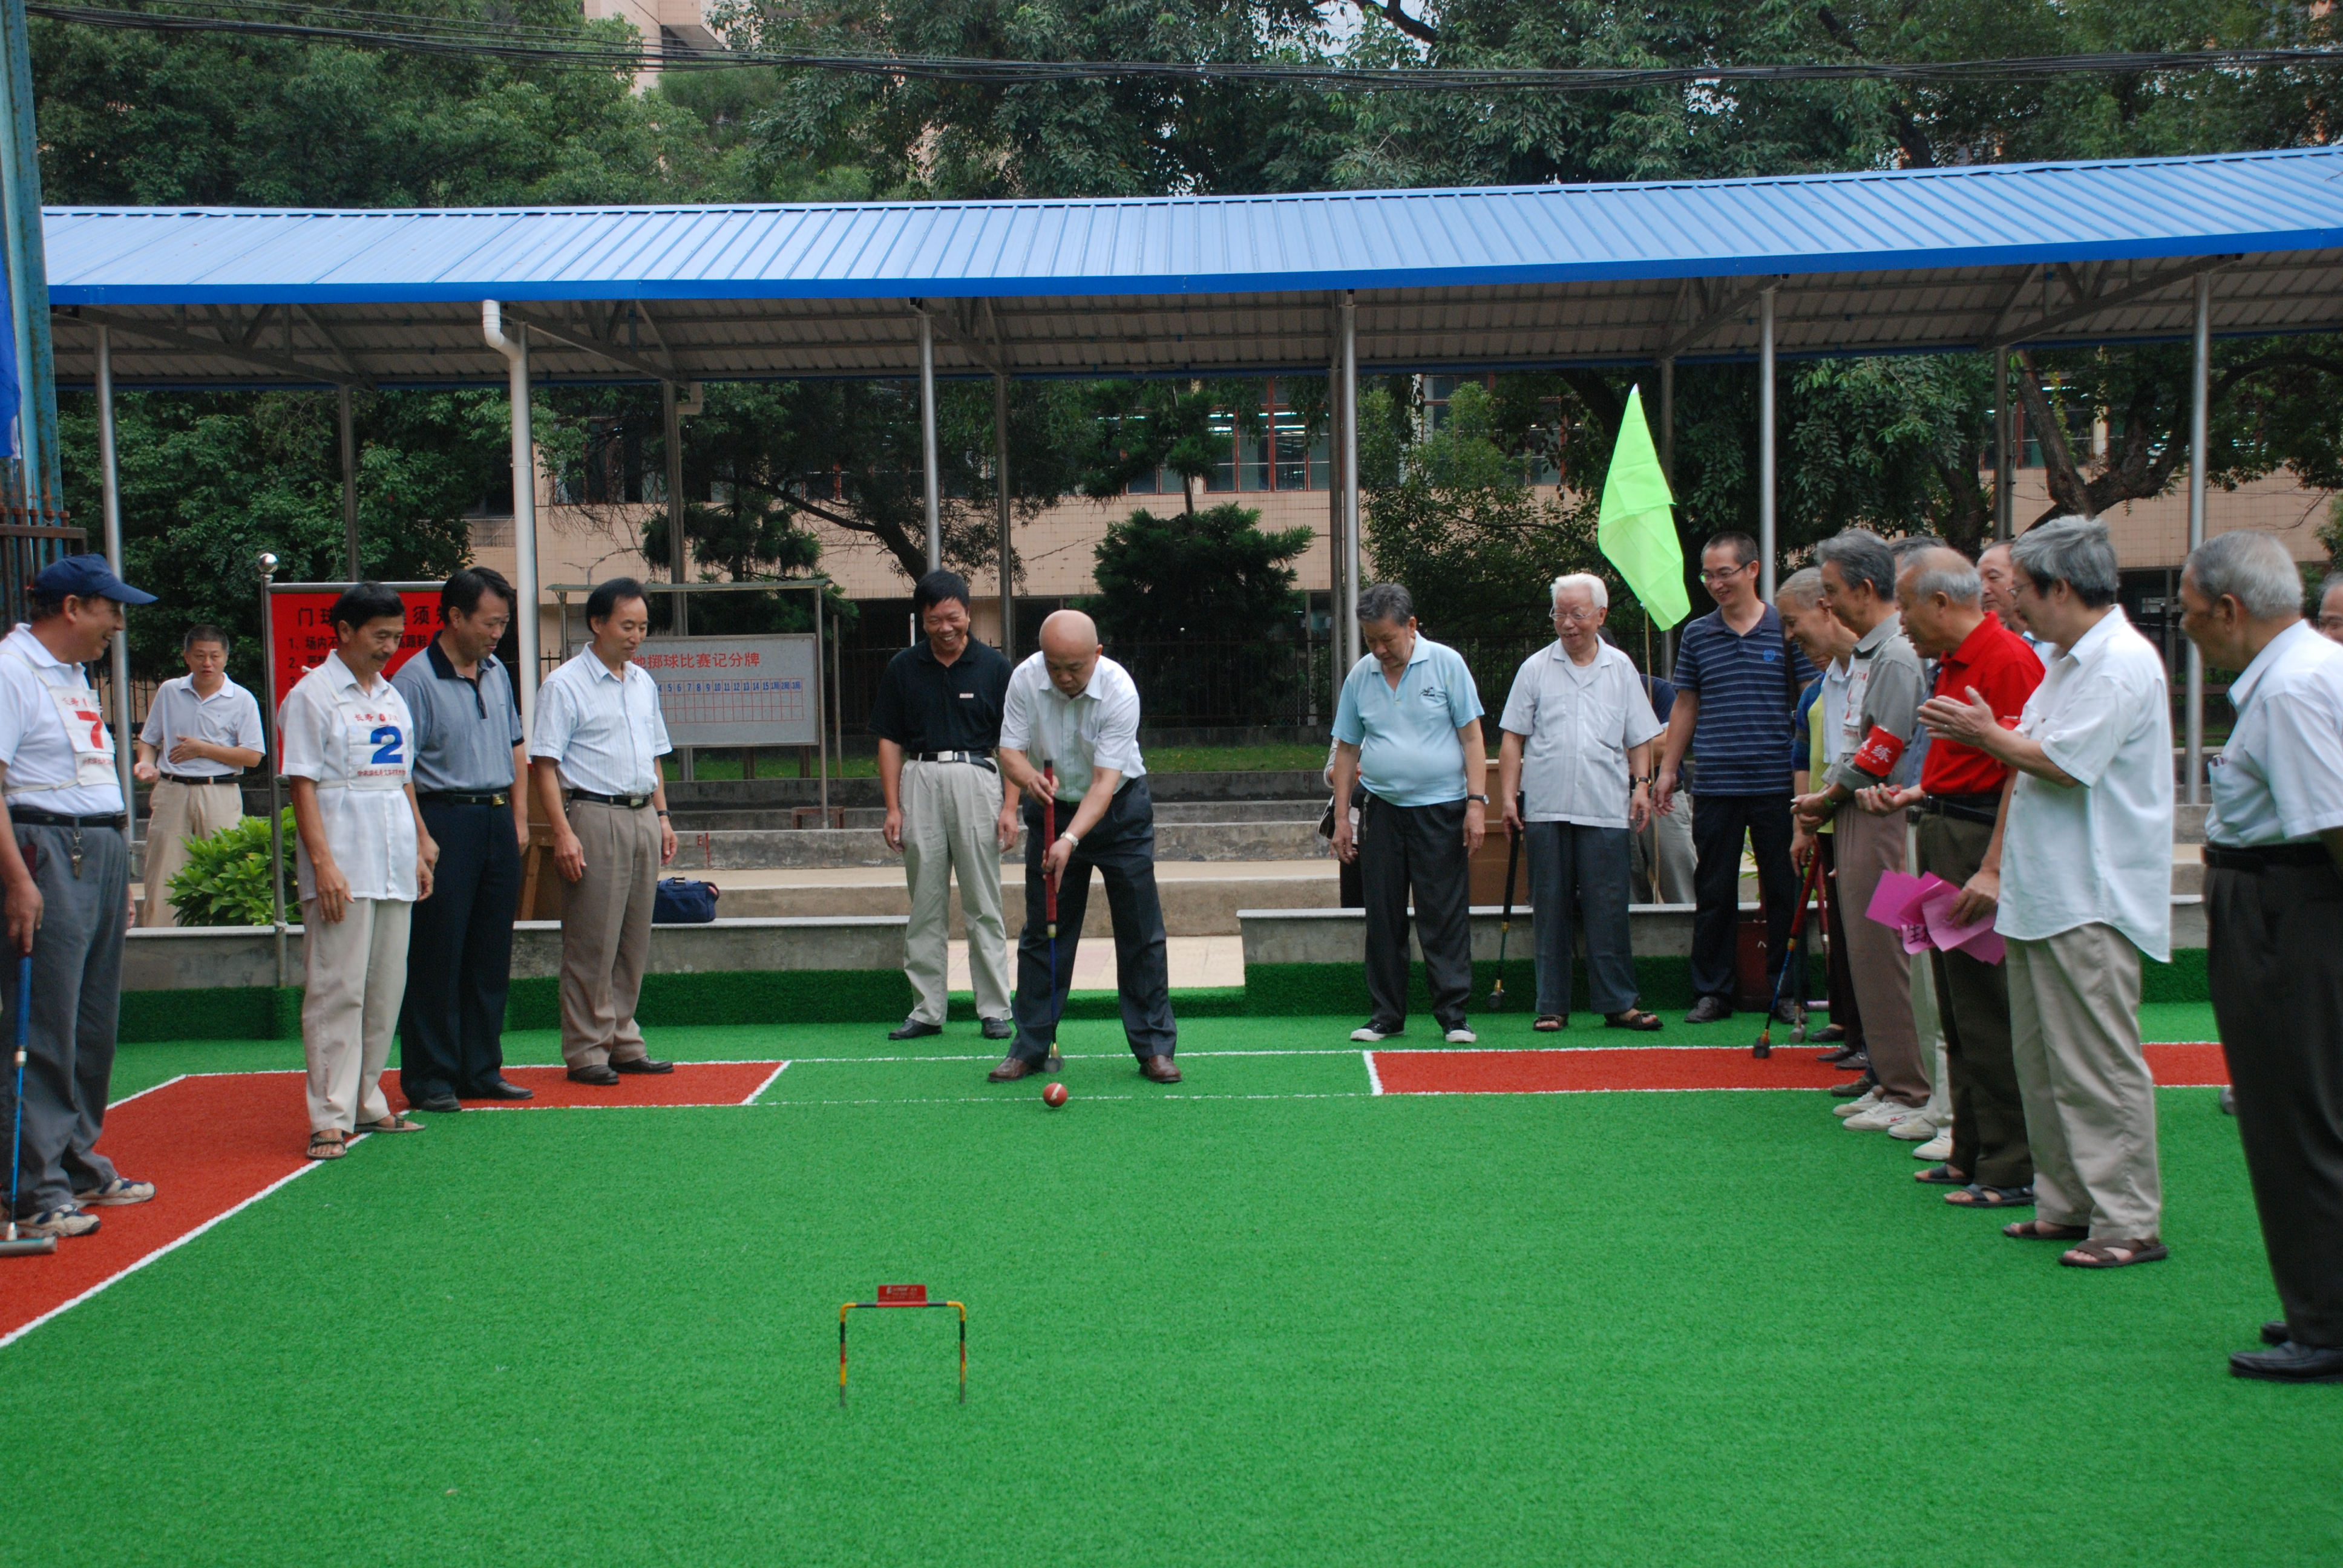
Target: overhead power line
(563, 48)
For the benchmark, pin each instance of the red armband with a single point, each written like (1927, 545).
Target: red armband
(1878, 753)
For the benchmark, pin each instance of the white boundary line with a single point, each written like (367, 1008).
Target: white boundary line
(152, 1087)
(758, 1093)
(1374, 1079)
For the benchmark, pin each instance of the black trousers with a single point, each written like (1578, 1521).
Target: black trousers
(1418, 848)
(1718, 823)
(1973, 1009)
(1840, 978)
(1123, 847)
(2274, 950)
(459, 954)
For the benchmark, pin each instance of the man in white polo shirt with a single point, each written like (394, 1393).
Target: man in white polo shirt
(202, 731)
(1575, 776)
(595, 757)
(2081, 867)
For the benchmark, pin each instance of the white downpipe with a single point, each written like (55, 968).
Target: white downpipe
(1349, 413)
(110, 480)
(2199, 414)
(927, 440)
(515, 350)
(1766, 530)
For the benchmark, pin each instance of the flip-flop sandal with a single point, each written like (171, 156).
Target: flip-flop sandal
(1551, 1022)
(325, 1146)
(391, 1124)
(2116, 1254)
(1632, 1018)
(2043, 1230)
(1940, 1176)
(1977, 1195)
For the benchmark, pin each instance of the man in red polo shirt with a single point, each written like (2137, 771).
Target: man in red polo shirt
(1959, 796)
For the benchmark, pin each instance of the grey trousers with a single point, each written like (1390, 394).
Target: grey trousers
(1973, 1005)
(950, 810)
(1578, 883)
(1422, 848)
(2090, 1101)
(605, 933)
(1867, 848)
(2276, 952)
(1121, 846)
(1663, 856)
(77, 997)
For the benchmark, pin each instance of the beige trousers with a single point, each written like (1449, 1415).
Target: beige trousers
(2090, 1100)
(354, 973)
(181, 813)
(949, 813)
(1866, 847)
(1927, 1021)
(605, 933)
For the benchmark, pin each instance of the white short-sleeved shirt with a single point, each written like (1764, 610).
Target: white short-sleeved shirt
(360, 748)
(228, 717)
(2099, 851)
(1099, 728)
(604, 729)
(52, 734)
(1577, 722)
(2280, 778)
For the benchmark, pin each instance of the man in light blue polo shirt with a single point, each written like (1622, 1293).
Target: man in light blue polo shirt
(1409, 729)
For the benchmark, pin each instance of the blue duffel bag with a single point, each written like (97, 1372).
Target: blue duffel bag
(682, 902)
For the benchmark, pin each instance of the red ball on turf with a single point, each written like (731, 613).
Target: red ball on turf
(1054, 1096)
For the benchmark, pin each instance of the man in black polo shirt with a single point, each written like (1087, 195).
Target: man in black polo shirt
(1737, 683)
(937, 719)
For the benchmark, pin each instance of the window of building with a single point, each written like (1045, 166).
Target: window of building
(1283, 457)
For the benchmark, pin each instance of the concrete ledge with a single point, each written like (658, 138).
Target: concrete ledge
(1192, 906)
(1340, 936)
(811, 848)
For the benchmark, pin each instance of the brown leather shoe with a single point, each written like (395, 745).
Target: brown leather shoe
(1010, 1069)
(1159, 1070)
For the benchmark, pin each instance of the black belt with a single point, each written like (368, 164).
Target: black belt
(24, 817)
(204, 778)
(1986, 809)
(2262, 857)
(631, 802)
(981, 759)
(458, 798)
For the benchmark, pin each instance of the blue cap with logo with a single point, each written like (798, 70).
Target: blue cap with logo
(87, 576)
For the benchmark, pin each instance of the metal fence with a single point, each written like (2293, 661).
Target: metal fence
(25, 549)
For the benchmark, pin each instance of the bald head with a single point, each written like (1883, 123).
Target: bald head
(1070, 648)
(1941, 596)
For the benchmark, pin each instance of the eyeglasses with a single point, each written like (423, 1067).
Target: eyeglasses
(1575, 617)
(2332, 625)
(1728, 573)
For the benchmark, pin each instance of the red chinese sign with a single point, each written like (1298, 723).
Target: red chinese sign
(301, 632)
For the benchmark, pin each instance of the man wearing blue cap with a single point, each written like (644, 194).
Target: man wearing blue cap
(65, 883)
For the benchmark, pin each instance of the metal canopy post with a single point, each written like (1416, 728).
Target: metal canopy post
(110, 482)
(1349, 449)
(2200, 414)
(348, 415)
(1334, 601)
(515, 350)
(1000, 502)
(1667, 472)
(678, 603)
(266, 564)
(820, 730)
(927, 437)
(1766, 529)
(2005, 434)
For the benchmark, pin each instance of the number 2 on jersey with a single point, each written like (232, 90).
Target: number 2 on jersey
(385, 739)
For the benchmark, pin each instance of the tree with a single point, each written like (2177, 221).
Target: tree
(1120, 431)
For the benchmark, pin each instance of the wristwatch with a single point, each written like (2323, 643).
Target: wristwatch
(1072, 838)
(1483, 798)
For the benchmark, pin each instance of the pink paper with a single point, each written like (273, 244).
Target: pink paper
(1921, 911)
(1891, 905)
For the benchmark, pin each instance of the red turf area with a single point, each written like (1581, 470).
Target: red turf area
(211, 1144)
(1566, 1072)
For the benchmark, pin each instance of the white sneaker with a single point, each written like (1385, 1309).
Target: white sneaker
(1882, 1115)
(1914, 1128)
(1940, 1147)
(1461, 1037)
(1869, 1100)
(1368, 1036)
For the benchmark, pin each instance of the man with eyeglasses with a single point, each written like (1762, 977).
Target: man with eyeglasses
(1738, 680)
(2330, 606)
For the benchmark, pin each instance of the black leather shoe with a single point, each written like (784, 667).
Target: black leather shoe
(914, 1030)
(440, 1104)
(2274, 1333)
(1159, 1070)
(501, 1088)
(600, 1076)
(2290, 1363)
(1011, 1069)
(642, 1064)
(1709, 1009)
(999, 1028)
(1854, 1087)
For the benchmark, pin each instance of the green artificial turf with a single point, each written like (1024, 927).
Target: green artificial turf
(1261, 1318)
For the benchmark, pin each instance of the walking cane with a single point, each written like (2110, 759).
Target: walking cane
(1505, 922)
(1764, 1045)
(1055, 1062)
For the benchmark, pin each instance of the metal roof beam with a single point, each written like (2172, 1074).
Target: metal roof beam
(1724, 310)
(2044, 324)
(195, 343)
(584, 341)
(957, 319)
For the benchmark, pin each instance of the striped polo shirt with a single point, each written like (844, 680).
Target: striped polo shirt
(1747, 686)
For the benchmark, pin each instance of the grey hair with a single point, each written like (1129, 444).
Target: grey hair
(1385, 601)
(2074, 550)
(2255, 568)
(1596, 594)
(1802, 588)
(1861, 556)
(1942, 569)
(1911, 545)
(2334, 581)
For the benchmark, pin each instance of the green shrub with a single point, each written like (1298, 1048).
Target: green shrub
(226, 879)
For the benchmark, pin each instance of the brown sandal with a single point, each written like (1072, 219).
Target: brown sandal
(1549, 1022)
(394, 1123)
(1635, 1018)
(2043, 1230)
(2116, 1253)
(325, 1146)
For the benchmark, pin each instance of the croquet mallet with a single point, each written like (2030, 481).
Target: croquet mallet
(1505, 922)
(14, 1245)
(1055, 1062)
(1764, 1045)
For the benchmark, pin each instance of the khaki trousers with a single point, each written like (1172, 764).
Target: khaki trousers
(354, 973)
(605, 933)
(1866, 847)
(949, 811)
(1927, 1010)
(2090, 1102)
(181, 813)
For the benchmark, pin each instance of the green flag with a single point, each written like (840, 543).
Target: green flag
(1637, 525)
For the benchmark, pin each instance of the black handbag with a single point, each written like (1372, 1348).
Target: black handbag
(681, 901)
